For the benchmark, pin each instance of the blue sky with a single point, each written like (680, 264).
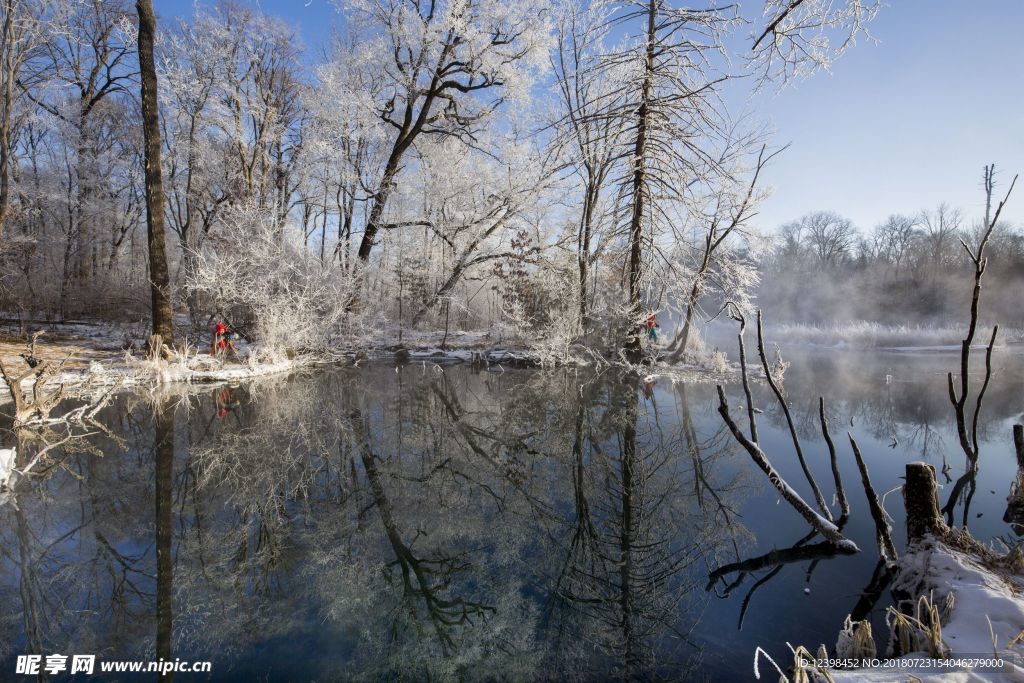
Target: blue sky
(897, 126)
(908, 122)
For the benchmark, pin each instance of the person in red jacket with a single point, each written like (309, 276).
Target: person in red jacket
(652, 326)
(220, 339)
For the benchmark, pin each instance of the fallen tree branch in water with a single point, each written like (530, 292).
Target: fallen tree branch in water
(883, 534)
(823, 526)
(819, 499)
(844, 504)
(794, 554)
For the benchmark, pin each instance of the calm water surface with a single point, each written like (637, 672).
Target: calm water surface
(445, 524)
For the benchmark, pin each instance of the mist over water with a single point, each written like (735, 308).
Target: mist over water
(447, 523)
(908, 270)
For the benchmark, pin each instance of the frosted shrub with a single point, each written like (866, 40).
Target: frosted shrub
(719, 362)
(297, 304)
(541, 310)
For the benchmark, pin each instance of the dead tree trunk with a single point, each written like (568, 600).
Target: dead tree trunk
(1018, 444)
(37, 407)
(968, 434)
(922, 503)
(818, 498)
(844, 504)
(1014, 515)
(821, 523)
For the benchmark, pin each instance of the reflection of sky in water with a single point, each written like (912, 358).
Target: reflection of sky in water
(365, 522)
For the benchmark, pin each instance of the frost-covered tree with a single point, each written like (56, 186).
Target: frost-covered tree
(795, 38)
(467, 159)
(346, 137)
(721, 262)
(678, 60)
(674, 123)
(476, 205)
(589, 131)
(444, 68)
(88, 62)
(22, 34)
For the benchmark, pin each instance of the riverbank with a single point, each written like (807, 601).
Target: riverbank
(958, 612)
(84, 359)
(88, 357)
(979, 610)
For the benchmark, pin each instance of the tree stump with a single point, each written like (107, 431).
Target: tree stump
(1018, 444)
(922, 503)
(1014, 515)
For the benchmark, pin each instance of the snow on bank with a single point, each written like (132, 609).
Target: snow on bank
(988, 605)
(92, 359)
(982, 598)
(203, 369)
(7, 458)
(132, 371)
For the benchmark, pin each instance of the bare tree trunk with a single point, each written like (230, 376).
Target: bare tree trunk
(844, 504)
(969, 439)
(691, 304)
(5, 111)
(819, 499)
(83, 180)
(640, 181)
(823, 526)
(1014, 515)
(883, 535)
(380, 202)
(160, 280)
(1018, 444)
(586, 225)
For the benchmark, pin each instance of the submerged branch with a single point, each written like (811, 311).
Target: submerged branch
(819, 499)
(823, 526)
(883, 534)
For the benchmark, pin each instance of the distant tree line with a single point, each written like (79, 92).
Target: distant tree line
(910, 268)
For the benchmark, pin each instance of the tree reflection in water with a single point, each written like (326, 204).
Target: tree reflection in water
(436, 524)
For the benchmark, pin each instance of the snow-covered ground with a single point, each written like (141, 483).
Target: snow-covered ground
(985, 620)
(93, 359)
